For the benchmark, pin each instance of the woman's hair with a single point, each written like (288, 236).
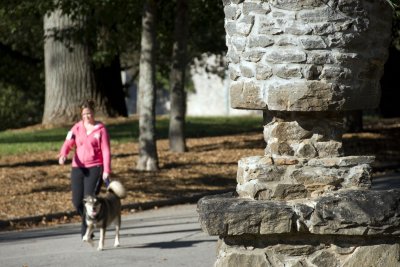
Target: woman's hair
(88, 103)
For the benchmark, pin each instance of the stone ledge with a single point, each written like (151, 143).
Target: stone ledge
(286, 178)
(346, 212)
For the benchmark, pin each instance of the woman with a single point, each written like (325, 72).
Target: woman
(91, 163)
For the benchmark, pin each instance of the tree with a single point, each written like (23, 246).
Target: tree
(148, 158)
(21, 67)
(177, 142)
(109, 84)
(69, 74)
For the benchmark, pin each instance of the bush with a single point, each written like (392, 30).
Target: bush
(18, 108)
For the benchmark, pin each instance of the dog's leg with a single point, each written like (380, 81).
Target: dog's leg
(117, 227)
(102, 237)
(88, 234)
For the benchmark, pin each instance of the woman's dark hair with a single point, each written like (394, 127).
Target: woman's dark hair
(88, 103)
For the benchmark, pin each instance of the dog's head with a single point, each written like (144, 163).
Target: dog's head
(92, 206)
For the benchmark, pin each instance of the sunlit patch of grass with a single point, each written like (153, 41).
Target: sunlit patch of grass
(36, 139)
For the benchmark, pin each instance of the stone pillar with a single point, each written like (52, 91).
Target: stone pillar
(304, 202)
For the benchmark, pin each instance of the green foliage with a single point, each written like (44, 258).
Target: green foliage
(21, 64)
(206, 28)
(111, 27)
(16, 109)
(393, 3)
(30, 140)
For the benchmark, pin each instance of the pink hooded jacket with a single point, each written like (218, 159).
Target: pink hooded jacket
(91, 149)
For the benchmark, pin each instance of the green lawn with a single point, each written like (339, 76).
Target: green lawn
(14, 142)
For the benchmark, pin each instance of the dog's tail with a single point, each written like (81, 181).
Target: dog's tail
(117, 188)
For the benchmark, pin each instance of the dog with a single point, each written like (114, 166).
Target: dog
(102, 211)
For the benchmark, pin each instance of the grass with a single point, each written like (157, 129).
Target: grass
(30, 140)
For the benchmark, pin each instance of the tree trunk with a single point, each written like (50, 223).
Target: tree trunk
(148, 159)
(109, 83)
(69, 76)
(177, 141)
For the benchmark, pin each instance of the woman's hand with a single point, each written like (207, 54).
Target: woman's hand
(105, 175)
(61, 160)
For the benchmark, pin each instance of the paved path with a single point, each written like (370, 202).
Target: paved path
(169, 236)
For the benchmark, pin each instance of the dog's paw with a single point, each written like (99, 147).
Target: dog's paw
(88, 240)
(116, 244)
(99, 248)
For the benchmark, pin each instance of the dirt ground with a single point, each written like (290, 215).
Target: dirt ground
(35, 185)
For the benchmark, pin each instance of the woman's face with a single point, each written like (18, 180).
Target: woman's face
(87, 115)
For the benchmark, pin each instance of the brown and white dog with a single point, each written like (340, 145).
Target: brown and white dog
(102, 211)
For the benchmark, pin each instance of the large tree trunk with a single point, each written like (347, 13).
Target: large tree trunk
(148, 159)
(177, 141)
(109, 83)
(69, 76)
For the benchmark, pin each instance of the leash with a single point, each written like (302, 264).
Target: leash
(98, 185)
(107, 182)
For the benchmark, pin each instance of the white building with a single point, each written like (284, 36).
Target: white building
(210, 94)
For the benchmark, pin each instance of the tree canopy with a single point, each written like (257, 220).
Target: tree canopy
(113, 28)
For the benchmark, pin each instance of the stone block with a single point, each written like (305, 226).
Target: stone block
(243, 259)
(247, 69)
(357, 212)
(253, 56)
(358, 176)
(325, 258)
(306, 150)
(245, 25)
(263, 72)
(238, 43)
(286, 130)
(260, 168)
(245, 95)
(287, 41)
(329, 149)
(231, 12)
(288, 192)
(302, 96)
(317, 175)
(313, 43)
(288, 72)
(347, 161)
(255, 8)
(285, 56)
(294, 5)
(374, 255)
(224, 215)
(260, 41)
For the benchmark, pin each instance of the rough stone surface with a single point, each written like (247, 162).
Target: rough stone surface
(310, 252)
(347, 212)
(311, 46)
(357, 212)
(304, 202)
(268, 177)
(222, 216)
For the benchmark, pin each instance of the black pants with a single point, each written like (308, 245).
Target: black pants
(85, 181)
